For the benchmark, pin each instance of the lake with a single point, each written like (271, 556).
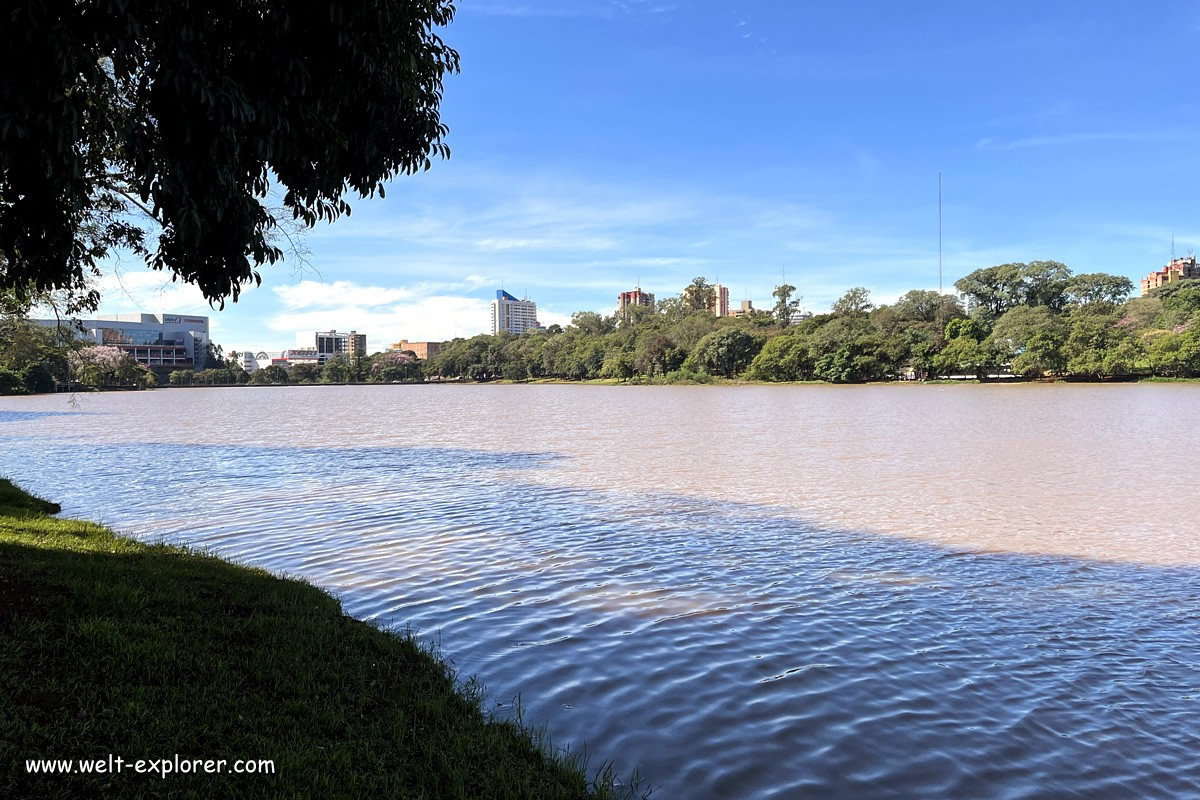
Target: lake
(776, 592)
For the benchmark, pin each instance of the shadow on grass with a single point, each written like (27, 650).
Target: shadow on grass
(145, 652)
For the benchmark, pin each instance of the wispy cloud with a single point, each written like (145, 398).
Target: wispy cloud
(1035, 114)
(540, 10)
(1154, 240)
(567, 237)
(605, 9)
(661, 261)
(415, 266)
(1053, 140)
(563, 242)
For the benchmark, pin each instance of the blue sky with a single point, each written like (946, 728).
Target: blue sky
(597, 143)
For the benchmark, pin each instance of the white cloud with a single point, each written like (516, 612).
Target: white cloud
(149, 292)
(307, 294)
(422, 312)
(434, 318)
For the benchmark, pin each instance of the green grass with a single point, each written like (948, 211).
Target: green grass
(112, 646)
(16, 502)
(1159, 379)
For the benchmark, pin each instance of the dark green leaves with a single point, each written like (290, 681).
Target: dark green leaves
(179, 114)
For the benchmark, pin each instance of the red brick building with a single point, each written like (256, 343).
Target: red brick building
(635, 298)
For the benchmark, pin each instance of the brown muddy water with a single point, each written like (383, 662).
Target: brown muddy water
(801, 591)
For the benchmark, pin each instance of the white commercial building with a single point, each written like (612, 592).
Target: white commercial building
(172, 340)
(512, 315)
(252, 361)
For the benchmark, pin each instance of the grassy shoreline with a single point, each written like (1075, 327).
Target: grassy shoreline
(114, 646)
(718, 381)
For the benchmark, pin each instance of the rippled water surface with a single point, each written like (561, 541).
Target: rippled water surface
(892, 591)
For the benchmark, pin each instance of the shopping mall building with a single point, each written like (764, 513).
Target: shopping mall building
(175, 341)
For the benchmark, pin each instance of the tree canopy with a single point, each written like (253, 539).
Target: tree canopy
(161, 126)
(1098, 287)
(855, 302)
(786, 302)
(699, 295)
(994, 290)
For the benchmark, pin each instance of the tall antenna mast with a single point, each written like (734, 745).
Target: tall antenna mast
(939, 231)
(1172, 247)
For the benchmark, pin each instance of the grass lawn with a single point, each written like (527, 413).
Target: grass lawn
(109, 646)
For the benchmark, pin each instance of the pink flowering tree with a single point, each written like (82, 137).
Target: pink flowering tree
(395, 365)
(103, 366)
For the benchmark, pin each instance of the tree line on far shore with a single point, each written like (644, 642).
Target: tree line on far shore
(1033, 320)
(393, 366)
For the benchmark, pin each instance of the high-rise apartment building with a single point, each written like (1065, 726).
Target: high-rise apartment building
(331, 343)
(635, 298)
(720, 301)
(1176, 269)
(511, 315)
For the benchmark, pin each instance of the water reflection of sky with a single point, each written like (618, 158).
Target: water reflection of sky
(728, 649)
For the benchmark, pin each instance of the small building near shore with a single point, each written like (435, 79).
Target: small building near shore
(423, 350)
(747, 310)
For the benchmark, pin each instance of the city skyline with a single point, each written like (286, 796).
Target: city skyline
(675, 140)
